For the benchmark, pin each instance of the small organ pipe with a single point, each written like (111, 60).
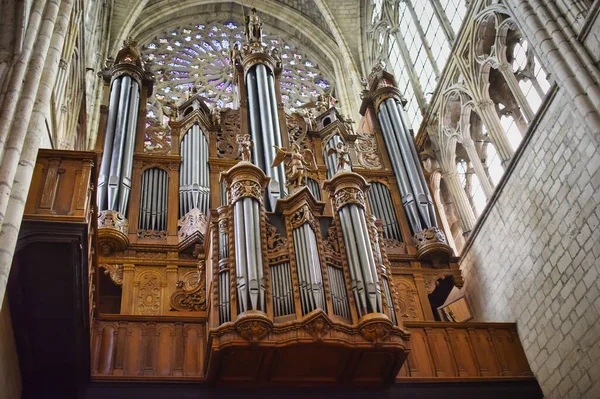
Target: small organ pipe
(258, 253)
(276, 129)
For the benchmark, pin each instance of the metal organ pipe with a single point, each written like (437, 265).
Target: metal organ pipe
(331, 160)
(116, 161)
(408, 198)
(129, 147)
(382, 207)
(113, 107)
(194, 185)
(253, 111)
(154, 200)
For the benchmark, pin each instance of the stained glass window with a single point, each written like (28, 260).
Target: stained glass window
(199, 55)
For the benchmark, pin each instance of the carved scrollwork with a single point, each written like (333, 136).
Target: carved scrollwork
(152, 234)
(429, 236)
(377, 330)
(254, 328)
(275, 242)
(407, 303)
(367, 151)
(331, 243)
(114, 220)
(191, 293)
(432, 281)
(347, 196)
(304, 215)
(245, 188)
(115, 272)
(317, 328)
(227, 145)
(158, 138)
(192, 222)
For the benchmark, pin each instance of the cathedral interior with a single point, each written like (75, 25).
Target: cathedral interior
(292, 198)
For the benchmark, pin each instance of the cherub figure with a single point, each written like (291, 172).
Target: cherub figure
(216, 116)
(299, 162)
(245, 146)
(343, 161)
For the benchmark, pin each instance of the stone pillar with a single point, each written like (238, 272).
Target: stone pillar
(511, 80)
(487, 112)
(469, 146)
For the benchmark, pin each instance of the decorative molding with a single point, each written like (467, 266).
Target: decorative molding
(349, 195)
(115, 272)
(152, 234)
(193, 222)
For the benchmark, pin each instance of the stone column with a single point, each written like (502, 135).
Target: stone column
(469, 146)
(511, 80)
(487, 111)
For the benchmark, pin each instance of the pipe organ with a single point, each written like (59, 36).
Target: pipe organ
(280, 266)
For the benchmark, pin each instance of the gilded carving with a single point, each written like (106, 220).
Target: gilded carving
(332, 244)
(158, 138)
(253, 330)
(376, 332)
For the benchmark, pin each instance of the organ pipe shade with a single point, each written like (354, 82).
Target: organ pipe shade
(114, 180)
(407, 166)
(194, 178)
(331, 160)
(264, 128)
(382, 206)
(314, 188)
(153, 201)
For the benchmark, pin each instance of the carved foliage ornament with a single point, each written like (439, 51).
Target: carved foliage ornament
(158, 138)
(192, 298)
(347, 196)
(367, 151)
(332, 243)
(275, 242)
(253, 330)
(152, 234)
(113, 220)
(245, 188)
(114, 271)
(429, 236)
(227, 145)
(304, 215)
(192, 222)
(317, 328)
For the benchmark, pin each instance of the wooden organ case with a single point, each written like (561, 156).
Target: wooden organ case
(219, 269)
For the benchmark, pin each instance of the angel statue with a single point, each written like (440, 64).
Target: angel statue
(299, 162)
(245, 146)
(341, 152)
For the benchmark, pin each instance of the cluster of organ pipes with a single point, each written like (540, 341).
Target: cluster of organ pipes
(114, 180)
(265, 129)
(309, 271)
(194, 180)
(406, 164)
(154, 200)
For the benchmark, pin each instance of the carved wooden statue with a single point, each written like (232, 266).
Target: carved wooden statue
(245, 147)
(299, 162)
(253, 27)
(343, 161)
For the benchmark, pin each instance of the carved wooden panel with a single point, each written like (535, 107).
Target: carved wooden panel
(148, 293)
(462, 351)
(408, 298)
(161, 350)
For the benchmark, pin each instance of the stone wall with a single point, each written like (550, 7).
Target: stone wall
(534, 257)
(10, 376)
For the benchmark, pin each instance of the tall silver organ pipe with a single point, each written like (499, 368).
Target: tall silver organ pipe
(153, 200)
(407, 167)
(264, 128)
(194, 180)
(224, 269)
(314, 188)
(331, 160)
(114, 181)
(309, 269)
(248, 255)
(380, 201)
(364, 280)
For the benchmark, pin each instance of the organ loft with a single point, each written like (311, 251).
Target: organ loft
(249, 236)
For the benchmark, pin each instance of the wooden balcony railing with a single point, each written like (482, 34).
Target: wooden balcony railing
(464, 351)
